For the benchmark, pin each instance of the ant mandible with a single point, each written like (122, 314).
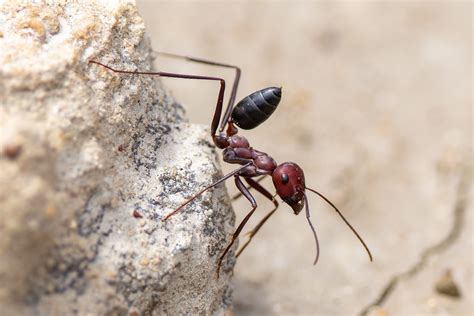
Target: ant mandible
(251, 111)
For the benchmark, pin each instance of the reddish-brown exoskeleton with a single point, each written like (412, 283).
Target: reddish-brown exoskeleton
(288, 177)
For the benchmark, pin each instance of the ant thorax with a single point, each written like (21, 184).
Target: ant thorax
(240, 152)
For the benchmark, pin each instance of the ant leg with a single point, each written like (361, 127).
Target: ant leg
(238, 195)
(220, 97)
(235, 85)
(269, 196)
(227, 176)
(240, 185)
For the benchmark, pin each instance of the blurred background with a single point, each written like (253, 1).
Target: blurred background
(377, 110)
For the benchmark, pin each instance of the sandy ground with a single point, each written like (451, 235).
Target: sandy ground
(377, 109)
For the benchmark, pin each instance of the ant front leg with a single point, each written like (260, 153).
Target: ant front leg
(227, 176)
(240, 185)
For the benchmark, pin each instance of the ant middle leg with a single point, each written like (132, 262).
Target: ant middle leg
(254, 184)
(238, 195)
(241, 186)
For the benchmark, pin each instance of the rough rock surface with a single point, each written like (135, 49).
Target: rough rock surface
(83, 150)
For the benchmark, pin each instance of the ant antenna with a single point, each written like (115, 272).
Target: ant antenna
(344, 219)
(312, 228)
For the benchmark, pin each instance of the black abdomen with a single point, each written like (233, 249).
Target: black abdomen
(254, 109)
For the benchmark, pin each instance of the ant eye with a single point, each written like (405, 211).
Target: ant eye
(284, 178)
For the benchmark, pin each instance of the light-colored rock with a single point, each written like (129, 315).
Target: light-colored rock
(81, 151)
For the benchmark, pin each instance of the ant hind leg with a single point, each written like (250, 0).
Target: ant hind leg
(235, 85)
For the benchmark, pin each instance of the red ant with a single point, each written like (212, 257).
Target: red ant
(254, 109)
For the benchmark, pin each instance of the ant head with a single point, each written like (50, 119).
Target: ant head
(288, 179)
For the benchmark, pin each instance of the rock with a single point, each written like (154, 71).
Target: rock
(447, 286)
(90, 162)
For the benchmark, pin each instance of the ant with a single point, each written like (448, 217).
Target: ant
(251, 111)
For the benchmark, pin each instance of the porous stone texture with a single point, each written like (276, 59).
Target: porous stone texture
(90, 162)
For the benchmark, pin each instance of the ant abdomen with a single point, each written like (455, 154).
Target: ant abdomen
(254, 109)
